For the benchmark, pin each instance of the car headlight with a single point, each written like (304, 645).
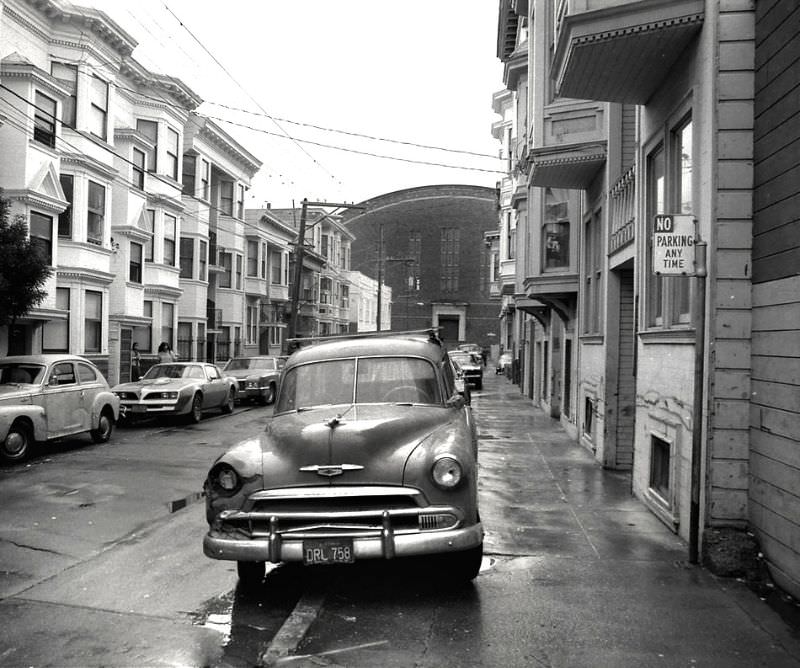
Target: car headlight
(447, 472)
(224, 479)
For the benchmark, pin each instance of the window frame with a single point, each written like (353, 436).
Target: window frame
(135, 269)
(171, 226)
(149, 128)
(65, 217)
(95, 215)
(44, 222)
(173, 153)
(669, 299)
(93, 324)
(138, 167)
(98, 108)
(44, 121)
(69, 106)
(186, 260)
(61, 326)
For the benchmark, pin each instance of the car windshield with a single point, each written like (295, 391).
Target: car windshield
(405, 380)
(173, 371)
(250, 363)
(21, 372)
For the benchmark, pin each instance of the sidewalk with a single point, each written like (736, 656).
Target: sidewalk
(597, 579)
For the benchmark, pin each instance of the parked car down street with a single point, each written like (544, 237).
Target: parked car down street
(371, 454)
(43, 397)
(177, 389)
(471, 365)
(256, 377)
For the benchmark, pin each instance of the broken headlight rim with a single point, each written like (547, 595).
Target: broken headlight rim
(224, 479)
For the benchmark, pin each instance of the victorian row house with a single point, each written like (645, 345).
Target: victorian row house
(138, 203)
(648, 250)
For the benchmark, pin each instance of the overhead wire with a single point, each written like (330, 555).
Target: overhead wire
(284, 134)
(352, 150)
(357, 134)
(117, 178)
(247, 93)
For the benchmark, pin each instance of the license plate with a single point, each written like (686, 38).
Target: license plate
(136, 408)
(330, 551)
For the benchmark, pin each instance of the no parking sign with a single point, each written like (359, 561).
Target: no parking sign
(674, 240)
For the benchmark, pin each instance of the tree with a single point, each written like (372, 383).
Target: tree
(23, 268)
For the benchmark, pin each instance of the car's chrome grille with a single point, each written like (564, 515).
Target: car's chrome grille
(337, 515)
(242, 384)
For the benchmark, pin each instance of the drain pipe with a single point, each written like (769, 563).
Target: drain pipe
(701, 271)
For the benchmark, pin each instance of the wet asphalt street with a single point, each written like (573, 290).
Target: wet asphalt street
(101, 566)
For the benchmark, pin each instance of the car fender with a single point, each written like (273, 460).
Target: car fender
(35, 414)
(101, 400)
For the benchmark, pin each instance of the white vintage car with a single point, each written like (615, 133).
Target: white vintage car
(43, 397)
(177, 388)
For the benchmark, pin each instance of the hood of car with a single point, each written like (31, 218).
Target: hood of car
(156, 383)
(362, 444)
(247, 373)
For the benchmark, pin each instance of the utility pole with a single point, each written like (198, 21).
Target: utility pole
(300, 249)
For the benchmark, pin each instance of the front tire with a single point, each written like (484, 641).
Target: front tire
(269, 397)
(196, 412)
(251, 573)
(230, 403)
(18, 443)
(105, 427)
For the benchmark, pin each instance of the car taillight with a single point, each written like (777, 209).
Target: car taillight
(446, 472)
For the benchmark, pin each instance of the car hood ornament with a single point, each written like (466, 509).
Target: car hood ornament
(330, 470)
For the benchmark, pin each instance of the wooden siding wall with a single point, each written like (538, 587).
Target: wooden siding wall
(774, 499)
(729, 265)
(776, 233)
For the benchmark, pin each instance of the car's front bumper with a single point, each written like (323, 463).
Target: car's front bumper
(383, 544)
(130, 409)
(251, 393)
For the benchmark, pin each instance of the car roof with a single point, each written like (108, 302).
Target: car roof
(403, 345)
(47, 358)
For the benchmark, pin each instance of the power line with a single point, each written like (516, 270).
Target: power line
(356, 134)
(256, 102)
(118, 178)
(352, 150)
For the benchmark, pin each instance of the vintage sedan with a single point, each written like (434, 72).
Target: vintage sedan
(177, 388)
(371, 454)
(471, 365)
(256, 377)
(43, 397)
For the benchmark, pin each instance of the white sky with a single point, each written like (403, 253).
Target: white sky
(418, 71)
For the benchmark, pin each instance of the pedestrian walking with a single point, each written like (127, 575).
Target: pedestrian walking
(136, 362)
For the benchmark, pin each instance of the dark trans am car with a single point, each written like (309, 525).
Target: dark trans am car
(371, 454)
